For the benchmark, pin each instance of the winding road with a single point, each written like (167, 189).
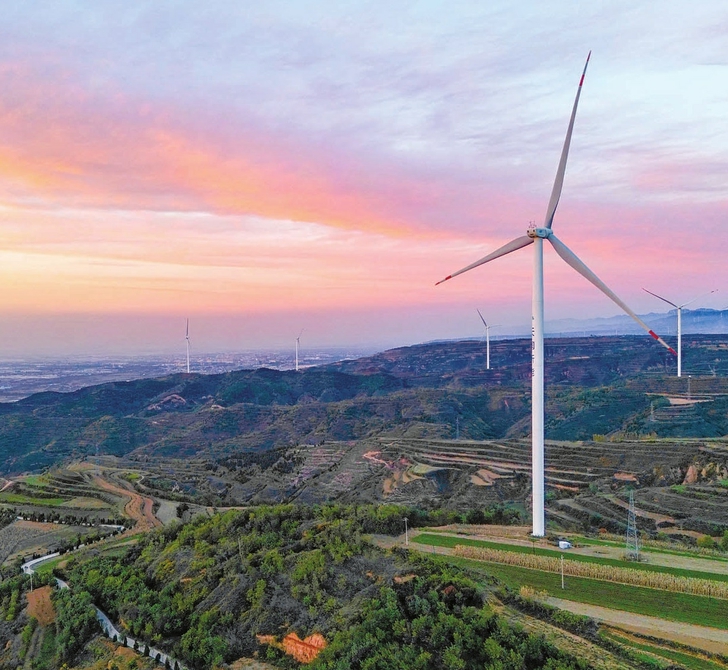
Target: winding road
(106, 624)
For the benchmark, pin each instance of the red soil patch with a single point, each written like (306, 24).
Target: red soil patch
(40, 605)
(304, 651)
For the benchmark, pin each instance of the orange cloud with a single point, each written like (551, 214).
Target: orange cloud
(63, 145)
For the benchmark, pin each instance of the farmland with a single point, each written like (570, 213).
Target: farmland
(423, 433)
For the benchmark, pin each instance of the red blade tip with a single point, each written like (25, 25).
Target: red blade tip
(442, 280)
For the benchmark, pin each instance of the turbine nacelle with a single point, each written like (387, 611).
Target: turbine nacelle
(537, 314)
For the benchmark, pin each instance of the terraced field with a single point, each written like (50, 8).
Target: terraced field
(679, 484)
(23, 538)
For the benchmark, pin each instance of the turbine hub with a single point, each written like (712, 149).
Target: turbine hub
(543, 233)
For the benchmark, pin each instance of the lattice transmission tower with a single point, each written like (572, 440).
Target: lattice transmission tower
(633, 539)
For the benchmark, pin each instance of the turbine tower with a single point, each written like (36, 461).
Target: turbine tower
(187, 340)
(536, 237)
(487, 340)
(298, 343)
(679, 322)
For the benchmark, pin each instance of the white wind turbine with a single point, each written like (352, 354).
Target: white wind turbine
(298, 343)
(187, 340)
(679, 322)
(487, 340)
(536, 236)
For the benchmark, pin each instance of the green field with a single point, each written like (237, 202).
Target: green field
(47, 566)
(672, 606)
(450, 542)
(18, 499)
(655, 550)
(671, 655)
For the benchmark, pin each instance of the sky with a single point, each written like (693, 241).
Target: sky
(262, 168)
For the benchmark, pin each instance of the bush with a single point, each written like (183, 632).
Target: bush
(706, 542)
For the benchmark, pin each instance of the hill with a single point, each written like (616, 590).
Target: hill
(424, 425)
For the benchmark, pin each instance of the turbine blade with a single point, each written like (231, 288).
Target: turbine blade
(702, 295)
(660, 297)
(513, 245)
(187, 331)
(573, 260)
(482, 319)
(559, 181)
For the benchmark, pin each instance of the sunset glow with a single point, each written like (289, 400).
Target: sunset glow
(319, 166)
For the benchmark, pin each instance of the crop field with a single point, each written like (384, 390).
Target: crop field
(25, 537)
(699, 610)
(20, 499)
(608, 573)
(451, 542)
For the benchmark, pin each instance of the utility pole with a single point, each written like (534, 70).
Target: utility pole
(562, 571)
(406, 534)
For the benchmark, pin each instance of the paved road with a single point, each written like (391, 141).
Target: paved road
(106, 624)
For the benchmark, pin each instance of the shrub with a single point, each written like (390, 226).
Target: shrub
(706, 542)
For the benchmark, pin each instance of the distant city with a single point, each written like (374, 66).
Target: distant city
(21, 378)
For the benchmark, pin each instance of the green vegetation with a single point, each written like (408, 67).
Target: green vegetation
(19, 499)
(75, 622)
(47, 567)
(672, 606)
(205, 589)
(46, 658)
(436, 621)
(450, 542)
(684, 659)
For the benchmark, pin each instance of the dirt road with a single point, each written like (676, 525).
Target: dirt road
(701, 637)
(140, 508)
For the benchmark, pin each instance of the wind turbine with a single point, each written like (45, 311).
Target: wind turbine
(298, 343)
(536, 237)
(187, 340)
(487, 340)
(679, 322)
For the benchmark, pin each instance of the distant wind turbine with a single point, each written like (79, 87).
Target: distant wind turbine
(487, 340)
(679, 322)
(298, 343)
(187, 340)
(536, 236)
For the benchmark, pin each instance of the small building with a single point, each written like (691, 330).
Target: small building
(564, 544)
